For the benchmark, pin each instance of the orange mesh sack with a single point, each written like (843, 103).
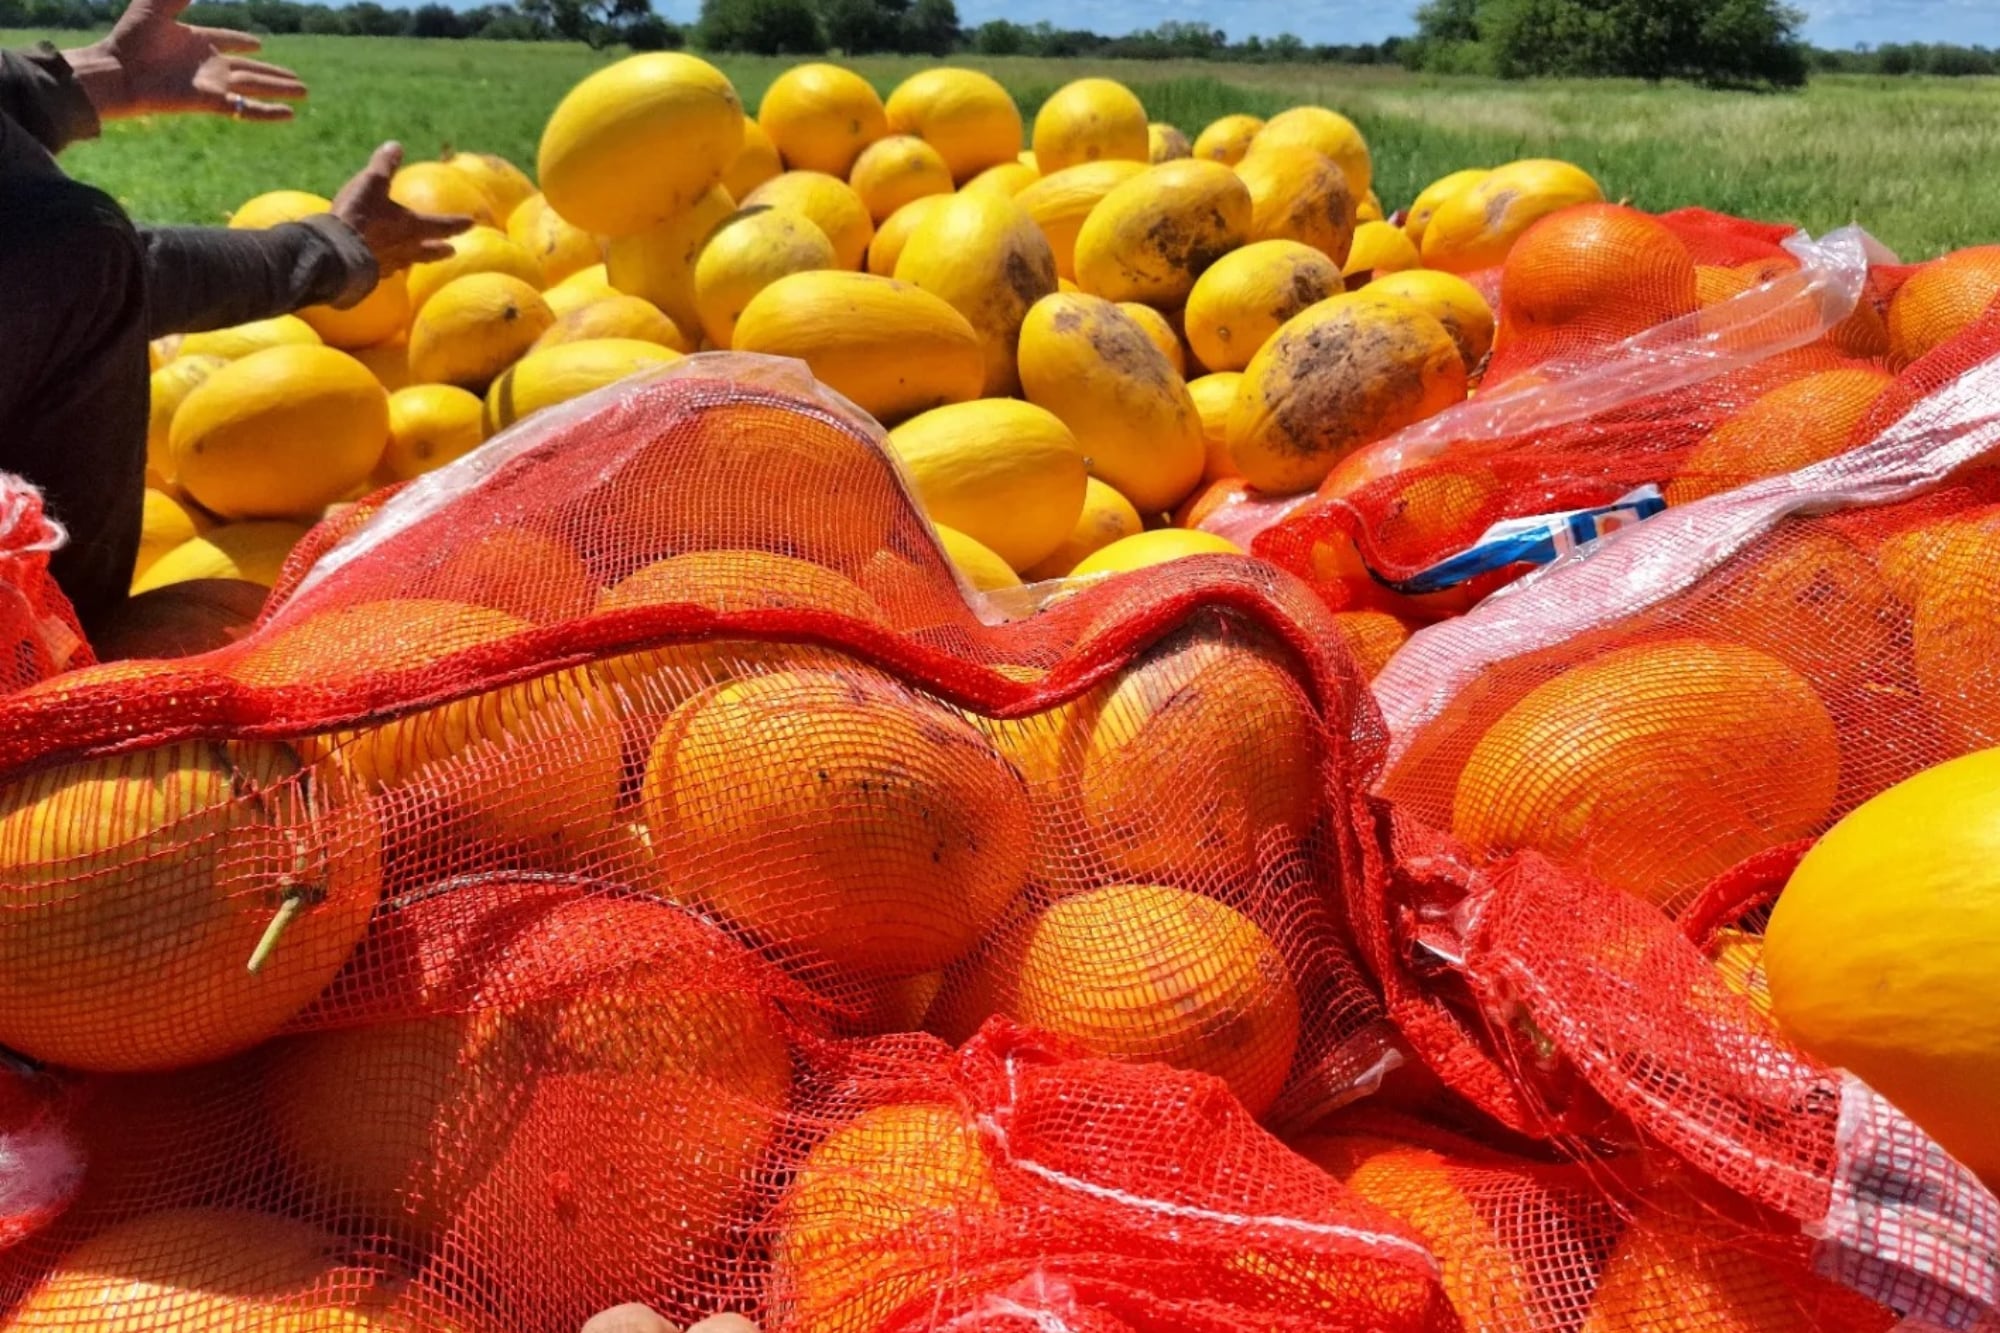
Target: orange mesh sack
(489, 906)
(1624, 359)
(1653, 724)
(38, 627)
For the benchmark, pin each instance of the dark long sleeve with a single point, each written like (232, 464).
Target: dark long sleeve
(200, 278)
(42, 110)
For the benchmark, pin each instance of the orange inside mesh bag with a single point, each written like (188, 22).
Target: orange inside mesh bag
(493, 904)
(1631, 350)
(1653, 724)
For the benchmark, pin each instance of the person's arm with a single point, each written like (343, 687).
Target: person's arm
(40, 93)
(200, 278)
(207, 278)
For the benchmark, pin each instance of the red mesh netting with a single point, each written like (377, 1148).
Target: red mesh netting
(38, 628)
(615, 865)
(1660, 721)
(1631, 350)
(503, 904)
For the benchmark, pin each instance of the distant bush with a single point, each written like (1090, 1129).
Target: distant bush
(1731, 42)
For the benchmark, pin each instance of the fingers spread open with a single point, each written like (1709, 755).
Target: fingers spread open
(227, 39)
(265, 85)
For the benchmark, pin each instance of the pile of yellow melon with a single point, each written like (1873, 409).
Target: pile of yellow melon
(1068, 342)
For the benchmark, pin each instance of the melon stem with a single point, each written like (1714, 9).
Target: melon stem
(287, 911)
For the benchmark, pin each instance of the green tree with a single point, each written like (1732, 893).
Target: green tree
(760, 27)
(1710, 41)
(931, 28)
(998, 37)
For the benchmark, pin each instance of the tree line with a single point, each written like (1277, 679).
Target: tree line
(1729, 42)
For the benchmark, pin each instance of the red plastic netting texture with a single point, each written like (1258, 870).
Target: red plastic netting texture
(1658, 724)
(1631, 350)
(39, 633)
(497, 932)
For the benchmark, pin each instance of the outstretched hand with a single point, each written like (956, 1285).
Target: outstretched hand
(398, 236)
(151, 63)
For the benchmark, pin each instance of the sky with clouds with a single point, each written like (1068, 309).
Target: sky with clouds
(1836, 23)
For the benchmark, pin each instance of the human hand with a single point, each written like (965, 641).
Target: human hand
(152, 63)
(398, 236)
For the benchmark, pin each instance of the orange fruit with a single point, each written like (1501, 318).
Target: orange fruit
(1939, 300)
(1955, 632)
(211, 1270)
(1604, 269)
(138, 888)
(524, 573)
(179, 620)
(1807, 421)
(1654, 767)
(630, 1117)
(1148, 973)
(471, 754)
(871, 1216)
(722, 581)
(1372, 637)
(1714, 283)
(1486, 1217)
(836, 813)
(1689, 1272)
(1238, 708)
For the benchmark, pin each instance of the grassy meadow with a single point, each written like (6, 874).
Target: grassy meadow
(1915, 160)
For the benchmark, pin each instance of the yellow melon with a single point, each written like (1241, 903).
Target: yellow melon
(983, 256)
(858, 1227)
(580, 288)
(977, 562)
(503, 182)
(280, 434)
(640, 141)
(253, 552)
(433, 187)
(1087, 121)
(1474, 227)
(1428, 199)
(430, 425)
(474, 328)
(1451, 301)
(617, 316)
(886, 246)
(388, 362)
(1159, 330)
(476, 250)
(1164, 143)
(752, 249)
(895, 170)
(1244, 298)
(1005, 473)
(165, 523)
(1142, 550)
(829, 203)
(380, 315)
(891, 348)
(821, 116)
(756, 161)
(966, 115)
(559, 246)
(1007, 179)
(552, 375)
(1106, 517)
(1061, 200)
(1084, 359)
(1150, 238)
(1214, 396)
(169, 388)
(276, 206)
(1325, 132)
(1340, 375)
(241, 340)
(1299, 194)
(658, 263)
(1379, 248)
(1153, 974)
(1227, 138)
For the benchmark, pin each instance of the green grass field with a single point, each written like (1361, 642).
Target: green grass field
(1915, 160)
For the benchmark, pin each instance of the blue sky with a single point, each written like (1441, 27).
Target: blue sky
(1837, 23)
